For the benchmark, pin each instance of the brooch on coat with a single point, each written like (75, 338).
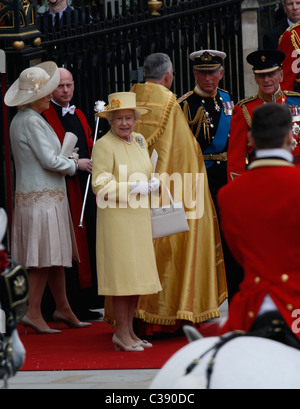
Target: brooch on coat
(140, 141)
(295, 112)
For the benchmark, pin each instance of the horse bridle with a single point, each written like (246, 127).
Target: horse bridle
(216, 348)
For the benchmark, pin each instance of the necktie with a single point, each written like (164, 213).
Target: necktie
(70, 110)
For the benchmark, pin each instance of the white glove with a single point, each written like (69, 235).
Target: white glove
(74, 156)
(142, 188)
(154, 184)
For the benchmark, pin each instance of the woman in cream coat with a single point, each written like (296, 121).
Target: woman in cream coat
(42, 232)
(126, 265)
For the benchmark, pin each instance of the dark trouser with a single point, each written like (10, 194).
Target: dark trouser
(271, 325)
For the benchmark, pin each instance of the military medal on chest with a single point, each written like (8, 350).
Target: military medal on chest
(209, 120)
(228, 107)
(217, 106)
(295, 128)
(295, 112)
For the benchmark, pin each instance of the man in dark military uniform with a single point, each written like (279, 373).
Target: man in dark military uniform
(208, 110)
(268, 75)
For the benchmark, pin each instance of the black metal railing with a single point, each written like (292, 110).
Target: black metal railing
(106, 50)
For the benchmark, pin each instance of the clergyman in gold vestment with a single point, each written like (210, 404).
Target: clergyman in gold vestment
(190, 265)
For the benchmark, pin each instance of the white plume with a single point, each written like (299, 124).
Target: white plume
(99, 106)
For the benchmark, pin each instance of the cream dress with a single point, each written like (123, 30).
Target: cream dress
(125, 254)
(42, 230)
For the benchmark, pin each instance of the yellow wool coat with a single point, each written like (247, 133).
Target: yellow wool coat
(124, 247)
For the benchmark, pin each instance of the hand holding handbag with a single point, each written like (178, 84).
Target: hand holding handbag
(167, 220)
(170, 219)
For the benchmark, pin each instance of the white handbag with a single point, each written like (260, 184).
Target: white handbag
(167, 220)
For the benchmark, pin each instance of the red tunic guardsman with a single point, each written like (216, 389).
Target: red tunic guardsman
(268, 75)
(262, 232)
(289, 43)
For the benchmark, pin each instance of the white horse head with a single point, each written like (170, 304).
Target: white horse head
(245, 362)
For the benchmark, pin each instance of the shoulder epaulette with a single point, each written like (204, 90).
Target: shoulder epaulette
(290, 29)
(291, 93)
(223, 90)
(183, 97)
(246, 100)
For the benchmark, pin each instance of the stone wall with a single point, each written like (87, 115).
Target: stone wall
(250, 41)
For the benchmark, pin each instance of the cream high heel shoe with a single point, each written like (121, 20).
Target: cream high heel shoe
(128, 348)
(144, 343)
(59, 317)
(28, 323)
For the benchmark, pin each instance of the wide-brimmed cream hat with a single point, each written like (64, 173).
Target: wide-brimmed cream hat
(122, 100)
(33, 83)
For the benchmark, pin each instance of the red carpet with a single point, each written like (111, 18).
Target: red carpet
(91, 348)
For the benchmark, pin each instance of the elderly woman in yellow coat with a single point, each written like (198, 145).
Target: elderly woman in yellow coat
(121, 179)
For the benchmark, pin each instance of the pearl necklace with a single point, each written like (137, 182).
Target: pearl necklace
(124, 140)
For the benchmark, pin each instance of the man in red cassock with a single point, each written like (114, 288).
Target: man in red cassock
(63, 117)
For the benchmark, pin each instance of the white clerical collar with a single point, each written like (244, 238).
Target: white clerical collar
(57, 103)
(64, 110)
(274, 153)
